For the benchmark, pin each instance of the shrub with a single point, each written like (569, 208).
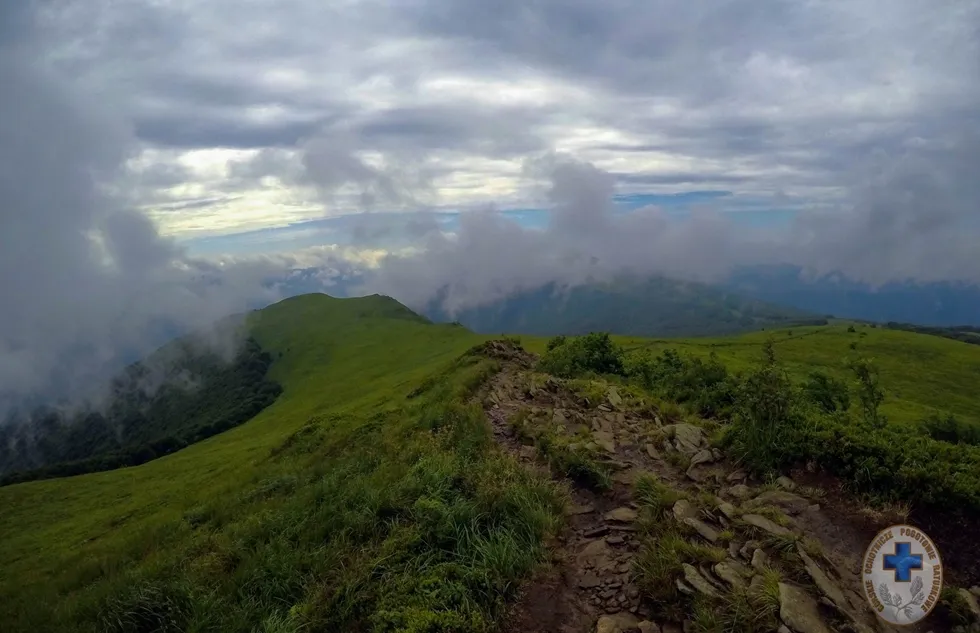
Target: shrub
(893, 463)
(869, 392)
(591, 354)
(556, 341)
(830, 394)
(767, 416)
(705, 385)
(952, 430)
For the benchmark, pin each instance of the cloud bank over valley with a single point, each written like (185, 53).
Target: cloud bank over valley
(164, 164)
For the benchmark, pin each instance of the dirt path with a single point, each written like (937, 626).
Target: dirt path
(591, 573)
(592, 584)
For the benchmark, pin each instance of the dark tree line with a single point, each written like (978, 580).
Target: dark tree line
(963, 333)
(199, 395)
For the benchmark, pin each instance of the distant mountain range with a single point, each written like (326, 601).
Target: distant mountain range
(936, 304)
(750, 298)
(630, 306)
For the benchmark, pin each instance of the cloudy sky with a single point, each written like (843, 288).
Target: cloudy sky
(263, 113)
(155, 150)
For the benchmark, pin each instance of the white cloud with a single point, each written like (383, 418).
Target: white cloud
(753, 96)
(226, 116)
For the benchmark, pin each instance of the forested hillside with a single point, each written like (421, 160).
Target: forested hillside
(181, 395)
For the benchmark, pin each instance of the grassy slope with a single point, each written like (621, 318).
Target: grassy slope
(342, 363)
(346, 367)
(54, 518)
(920, 374)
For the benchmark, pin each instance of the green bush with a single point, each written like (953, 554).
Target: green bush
(591, 354)
(893, 463)
(771, 428)
(870, 393)
(705, 385)
(828, 393)
(952, 430)
(767, 416)
(556, 341)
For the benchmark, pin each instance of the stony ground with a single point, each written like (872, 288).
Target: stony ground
(754, 555)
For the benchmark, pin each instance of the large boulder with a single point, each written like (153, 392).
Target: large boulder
(617, 623)
(605, 440)
(823, 582)
(703, 456)
(727, 509)
(694, 579)
(765, 524)
(739, 491)
(596, 554)
(686, 438)
(786, 501)
(684, 509)
(614, 398)
(799, 611)
(760, 560)
(786, 483)
(728, 573)
(707, 532)
(621, 515)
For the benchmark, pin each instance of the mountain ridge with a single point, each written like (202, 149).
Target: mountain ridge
(628, 305)
(942, 304)
(372, 495)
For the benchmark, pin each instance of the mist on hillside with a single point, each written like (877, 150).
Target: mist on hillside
(913, 219)
(87, 283)
(90, 284)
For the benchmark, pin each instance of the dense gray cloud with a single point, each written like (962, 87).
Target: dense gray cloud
(913, 217)
(491, 256)
(858, 117)
(86, 283)
(759, 95)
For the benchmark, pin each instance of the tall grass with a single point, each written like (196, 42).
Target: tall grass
(346, 507)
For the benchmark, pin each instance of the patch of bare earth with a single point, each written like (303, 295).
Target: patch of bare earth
(592, 584)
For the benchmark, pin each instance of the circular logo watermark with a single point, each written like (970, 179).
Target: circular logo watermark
(902, 574)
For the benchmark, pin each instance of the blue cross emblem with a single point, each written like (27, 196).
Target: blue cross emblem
(903, 561)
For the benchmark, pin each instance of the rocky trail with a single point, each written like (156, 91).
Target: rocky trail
(748, 538)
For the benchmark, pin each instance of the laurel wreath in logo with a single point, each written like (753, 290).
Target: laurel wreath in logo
(895, 600)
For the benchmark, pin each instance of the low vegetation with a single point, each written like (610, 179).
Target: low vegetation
(659, 567)
(345, 506)
(772, 422)
(575, 457)
(920, 375)
(370, 495)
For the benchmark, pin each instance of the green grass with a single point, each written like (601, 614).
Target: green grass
(770, 418)
(370, 495)
(921, 374)
(573, 456)
(346, 505)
